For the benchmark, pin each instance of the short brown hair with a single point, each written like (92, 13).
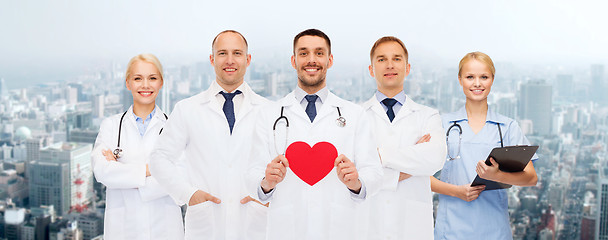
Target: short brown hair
(387, 39)
(230, 31)
(312, 32)
(479, 56)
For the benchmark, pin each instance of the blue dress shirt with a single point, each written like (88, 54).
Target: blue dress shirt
(400, 97)
(142, 124)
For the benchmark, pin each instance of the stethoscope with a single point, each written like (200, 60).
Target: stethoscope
(118, 151)
(340, 121)
(447, 135)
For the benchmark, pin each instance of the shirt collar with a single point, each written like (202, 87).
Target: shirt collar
(400, 97)
(491, 116)
(137, 118)
(300, 94)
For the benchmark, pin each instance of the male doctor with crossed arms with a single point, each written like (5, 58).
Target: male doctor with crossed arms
(412, 148)
(326, 209)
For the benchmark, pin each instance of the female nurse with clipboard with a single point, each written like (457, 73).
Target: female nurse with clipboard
(467, 212)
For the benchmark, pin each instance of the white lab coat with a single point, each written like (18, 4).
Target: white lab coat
(404, 210)
(215, 162)
(136, 206)
(328, 209)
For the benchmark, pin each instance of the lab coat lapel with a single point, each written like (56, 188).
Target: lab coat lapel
(129, 121)
(375, 106)
(408, 108)
(293, 106)
(208, 98)
(158, 118)
(329, 108)
(249, 101)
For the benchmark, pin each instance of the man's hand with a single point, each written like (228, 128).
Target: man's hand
(403, 176)
(468, 193)
(201, 197)
(488, 172)
(347, 173)
(423, 139)
(275, 173)
(249, 199)
(148, 171)
(108, 154)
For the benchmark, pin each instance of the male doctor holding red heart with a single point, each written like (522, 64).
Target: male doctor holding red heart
(321, 132)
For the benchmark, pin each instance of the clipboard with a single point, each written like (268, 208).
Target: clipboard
(509, 159)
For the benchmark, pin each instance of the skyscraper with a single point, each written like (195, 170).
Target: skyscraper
(126, 98)
(535, 104)
(565, 87)
(53, 177)
(3, 89)
(98, 106)
(597, 87)
(601, 224)
(50, 185)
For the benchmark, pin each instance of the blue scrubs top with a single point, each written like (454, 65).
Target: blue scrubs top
(486, 217)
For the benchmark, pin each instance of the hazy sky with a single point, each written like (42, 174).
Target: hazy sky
(53, 39)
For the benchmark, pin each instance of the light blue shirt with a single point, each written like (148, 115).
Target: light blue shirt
(301, 97)
(486, 217)
(400, 97)
(142, 124)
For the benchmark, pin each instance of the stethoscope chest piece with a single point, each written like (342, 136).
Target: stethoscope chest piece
(117, 152)
(341, 121)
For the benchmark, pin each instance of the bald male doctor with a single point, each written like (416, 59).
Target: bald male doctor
(212, 133)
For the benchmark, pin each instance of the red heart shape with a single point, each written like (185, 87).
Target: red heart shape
(311, 164)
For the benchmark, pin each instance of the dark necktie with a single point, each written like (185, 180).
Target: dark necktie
(311, 109)
(389, 103)
(229, 107)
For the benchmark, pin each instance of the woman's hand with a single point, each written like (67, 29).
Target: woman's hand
(488, 172)
(108, 154)
(468, 193)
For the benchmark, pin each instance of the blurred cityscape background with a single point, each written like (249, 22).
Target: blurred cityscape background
(57, 82)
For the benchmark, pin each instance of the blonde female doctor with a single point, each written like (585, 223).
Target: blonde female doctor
(136, 206)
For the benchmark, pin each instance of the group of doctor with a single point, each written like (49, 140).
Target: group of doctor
(222, 153)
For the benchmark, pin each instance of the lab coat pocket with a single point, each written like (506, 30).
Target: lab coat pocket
(200, 221)
(255, 220)
(342, 222)
(282, 222)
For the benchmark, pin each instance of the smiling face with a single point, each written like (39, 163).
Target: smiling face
(476, 80)
(230, 60)
(144, 81)
(389, 67)
(311, 60)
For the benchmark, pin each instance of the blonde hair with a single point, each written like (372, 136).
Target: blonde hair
(479, 56)
(145, 57)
